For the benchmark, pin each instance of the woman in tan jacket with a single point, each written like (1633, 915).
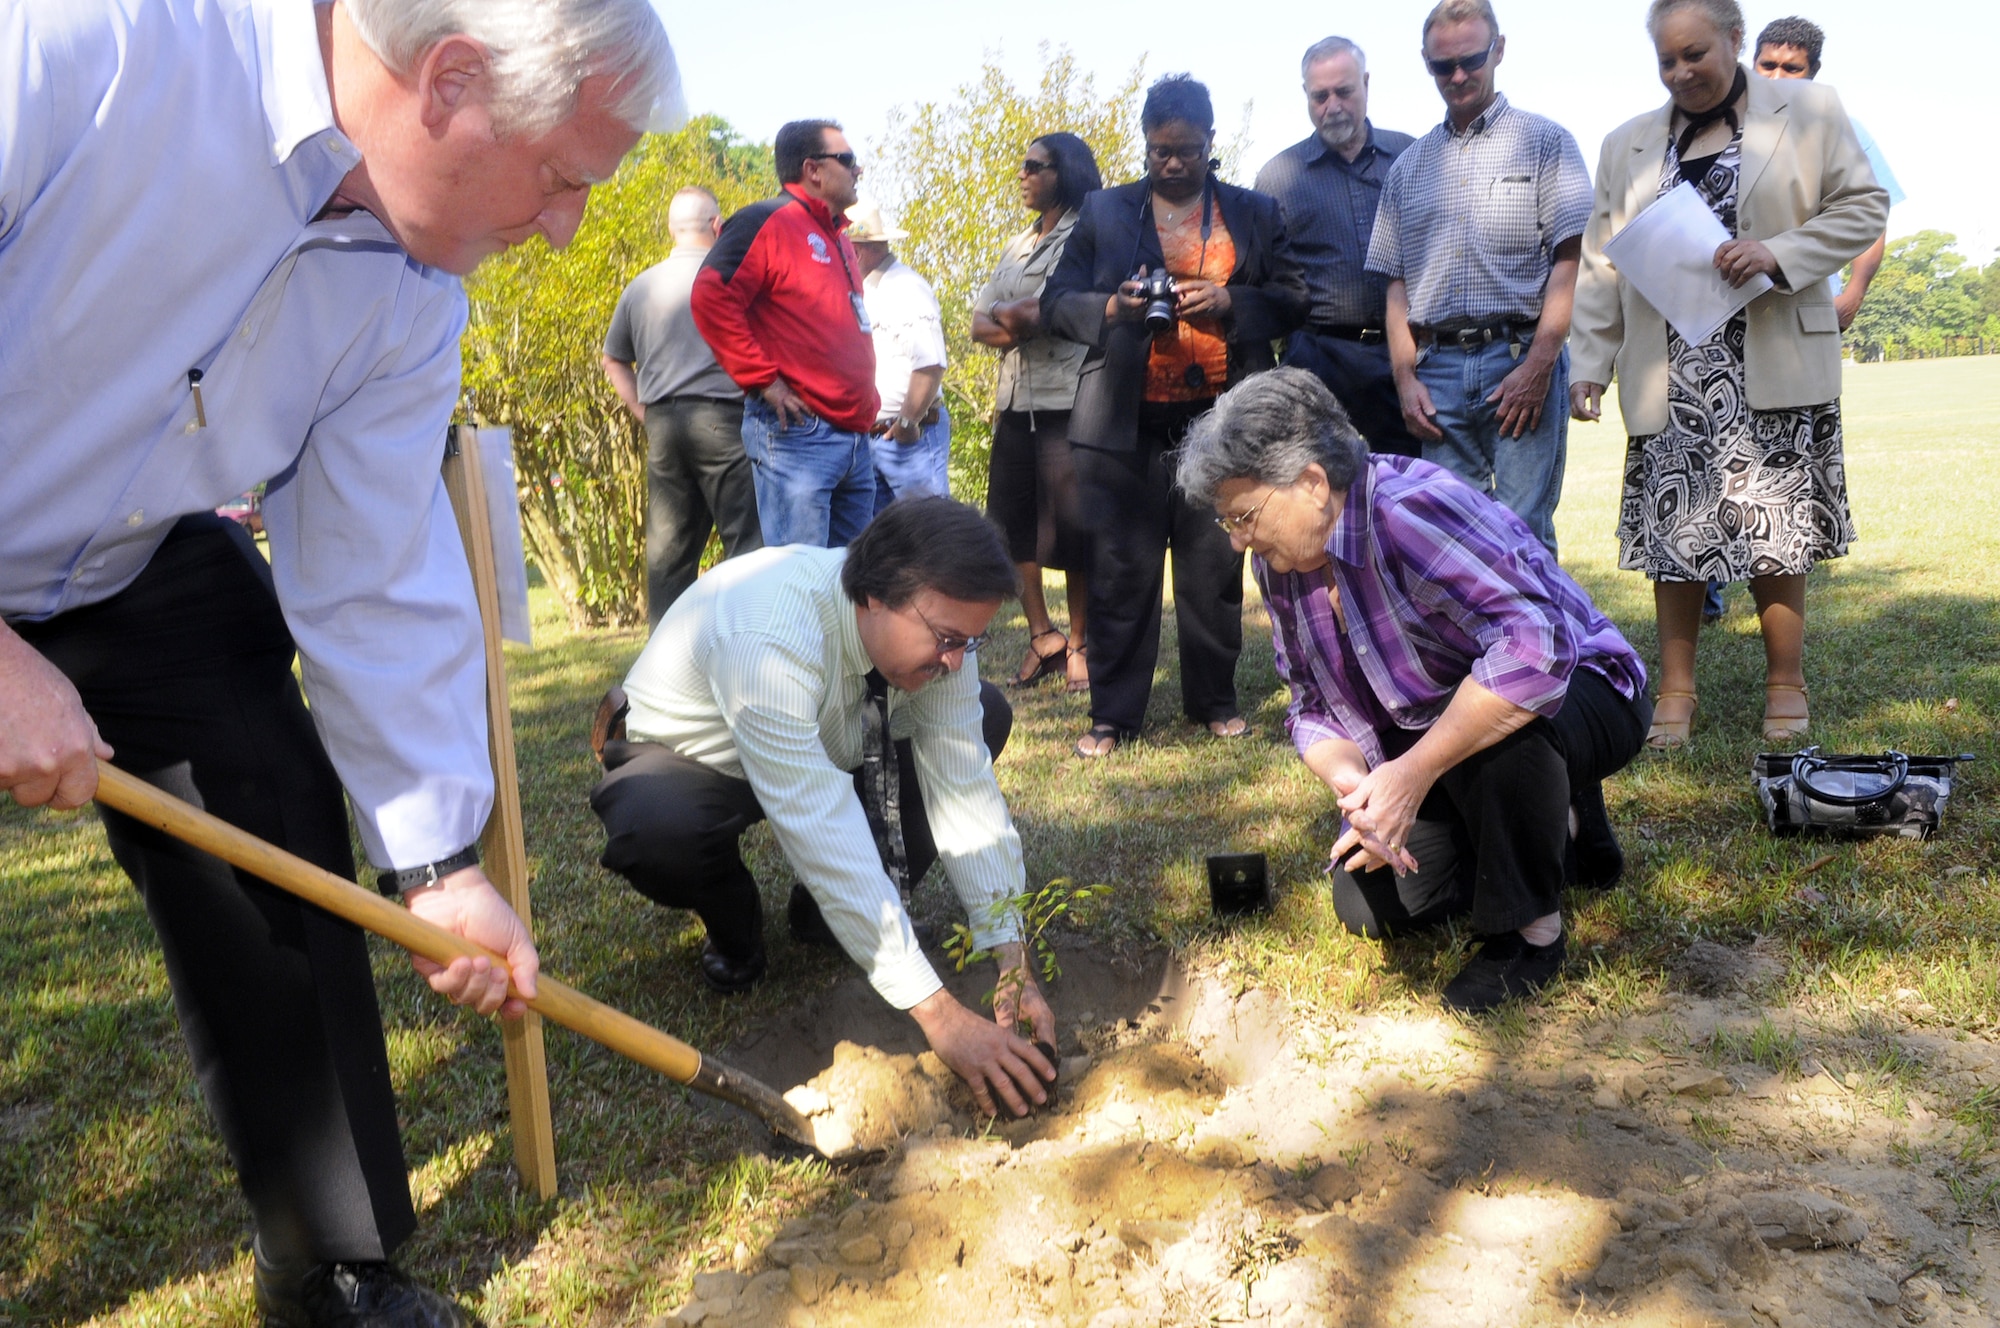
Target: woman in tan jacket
(1733, 469)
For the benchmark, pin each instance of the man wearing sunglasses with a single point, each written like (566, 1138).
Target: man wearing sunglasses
(826, 691)
(779, 301)
(1479, 233)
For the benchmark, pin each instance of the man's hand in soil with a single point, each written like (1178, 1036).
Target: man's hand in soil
(49, 747)
(465, 902)
(992, 1061)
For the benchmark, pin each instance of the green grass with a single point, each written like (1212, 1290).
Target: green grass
(117, 1201)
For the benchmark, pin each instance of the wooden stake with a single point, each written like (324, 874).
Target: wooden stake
(503, 846)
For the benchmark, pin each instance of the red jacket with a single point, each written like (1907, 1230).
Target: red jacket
(776, 297)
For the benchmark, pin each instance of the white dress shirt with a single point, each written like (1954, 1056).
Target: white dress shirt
(161, 162)
(909, 330)
(759, 672)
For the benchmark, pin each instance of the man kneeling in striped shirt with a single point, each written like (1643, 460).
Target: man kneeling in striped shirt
(825, 690)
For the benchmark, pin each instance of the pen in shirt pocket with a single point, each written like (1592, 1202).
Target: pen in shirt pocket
(194, 386)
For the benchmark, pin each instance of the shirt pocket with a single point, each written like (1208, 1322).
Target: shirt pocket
(1507, 213)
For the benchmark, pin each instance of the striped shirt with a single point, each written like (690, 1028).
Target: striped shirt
(1470, 221)
(1439, 583)
(759, 672)
(1329, 204)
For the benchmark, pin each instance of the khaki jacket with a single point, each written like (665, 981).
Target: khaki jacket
(1806, 191)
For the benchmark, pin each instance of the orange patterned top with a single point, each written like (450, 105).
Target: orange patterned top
(1193, 340)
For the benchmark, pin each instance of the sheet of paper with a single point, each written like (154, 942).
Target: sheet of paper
(1667, 252)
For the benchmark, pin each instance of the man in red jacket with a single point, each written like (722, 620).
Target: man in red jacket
(779, 302)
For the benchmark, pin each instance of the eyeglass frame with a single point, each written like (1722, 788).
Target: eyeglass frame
(1471, 64)
(1166, 152)
(949, 643)
(1244, 522)
(847, 159)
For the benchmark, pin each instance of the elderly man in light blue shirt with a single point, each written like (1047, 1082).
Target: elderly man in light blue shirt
(261, 289)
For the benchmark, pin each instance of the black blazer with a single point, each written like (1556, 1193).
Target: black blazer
(1114, 234)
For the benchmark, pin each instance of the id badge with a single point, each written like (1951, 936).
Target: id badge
(860, 312)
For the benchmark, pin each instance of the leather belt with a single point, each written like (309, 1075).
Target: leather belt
(1367, 336)
(1472, 338)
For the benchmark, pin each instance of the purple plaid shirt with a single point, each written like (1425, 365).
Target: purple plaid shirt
(1439, 583)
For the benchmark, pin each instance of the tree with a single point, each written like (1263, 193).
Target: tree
(531, 362)
(949, 171)
(1925, 299)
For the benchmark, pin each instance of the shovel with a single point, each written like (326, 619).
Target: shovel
(364, 908)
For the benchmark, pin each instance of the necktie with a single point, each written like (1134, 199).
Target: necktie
(881, 783)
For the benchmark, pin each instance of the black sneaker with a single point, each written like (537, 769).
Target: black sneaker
(352, 1295)
(1505, 967)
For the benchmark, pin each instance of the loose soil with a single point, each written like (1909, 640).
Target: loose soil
(1215, 1158)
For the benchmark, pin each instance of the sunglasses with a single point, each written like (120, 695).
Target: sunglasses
(1032, 167)
(846, 159)
(1469, 63)
(951, 642)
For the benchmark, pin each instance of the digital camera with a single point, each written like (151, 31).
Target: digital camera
(1161, 295)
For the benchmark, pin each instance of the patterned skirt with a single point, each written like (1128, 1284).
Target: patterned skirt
(1728, 492)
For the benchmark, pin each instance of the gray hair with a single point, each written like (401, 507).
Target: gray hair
(1326, 48)
(1458, 11)
(1269, 428)
(1726, 15)
(542, 51)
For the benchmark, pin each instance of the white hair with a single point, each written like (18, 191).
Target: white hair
(542, 51)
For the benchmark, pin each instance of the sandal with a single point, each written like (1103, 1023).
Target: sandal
(1076, 657)
(1668, 734)
(1234, 727)
(1109, 735)
(1043, 665)
(1785, 728)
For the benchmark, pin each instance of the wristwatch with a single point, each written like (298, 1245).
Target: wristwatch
(905, 422)
(396, 884)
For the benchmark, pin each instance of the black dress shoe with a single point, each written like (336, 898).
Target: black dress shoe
(730, 975)
(1505, 967)
(353, 1295)
(806, 922)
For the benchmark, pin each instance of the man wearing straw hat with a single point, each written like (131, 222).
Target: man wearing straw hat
(367, 150)
(912, 438)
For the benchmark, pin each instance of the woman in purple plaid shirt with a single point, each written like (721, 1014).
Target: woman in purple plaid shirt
(1458, 693)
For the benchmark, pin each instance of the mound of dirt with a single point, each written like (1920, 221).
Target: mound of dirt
(1217, 1159)
(868, 1099)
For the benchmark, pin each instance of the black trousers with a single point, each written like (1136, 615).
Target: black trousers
(1490, 839)
(1359, 374)
(697, 479)
(1136, 514)
(1031, 490)
(672, 826)
(187, 673)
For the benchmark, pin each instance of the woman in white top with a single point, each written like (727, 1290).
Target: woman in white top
(1031, 486)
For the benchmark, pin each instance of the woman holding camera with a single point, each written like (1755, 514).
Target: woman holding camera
(1160, 352)
(1031, 481)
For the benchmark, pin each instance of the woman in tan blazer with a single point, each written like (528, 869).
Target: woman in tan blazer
(1733, 469)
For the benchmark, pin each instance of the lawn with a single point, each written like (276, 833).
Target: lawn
(117, 1204)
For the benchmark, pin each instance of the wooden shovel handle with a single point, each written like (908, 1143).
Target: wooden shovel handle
(365, 908)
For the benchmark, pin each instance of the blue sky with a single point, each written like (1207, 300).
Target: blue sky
(1912, 72)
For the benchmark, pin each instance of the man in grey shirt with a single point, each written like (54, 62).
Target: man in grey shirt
(697, 474)
(1328, 186)
(1480, 231)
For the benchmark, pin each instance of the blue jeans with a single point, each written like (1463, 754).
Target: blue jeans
(815, 483)
(902, 469)
(1525, 474)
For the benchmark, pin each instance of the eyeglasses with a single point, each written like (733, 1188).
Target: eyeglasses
(1469, 63)
(1243, 522)
(951, 642)
(846, 159)
(1032, 167)
(1187, 152)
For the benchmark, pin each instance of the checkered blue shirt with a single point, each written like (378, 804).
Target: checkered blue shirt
(1470, 221)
